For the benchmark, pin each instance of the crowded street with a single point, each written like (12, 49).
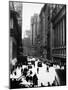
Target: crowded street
(35, 74)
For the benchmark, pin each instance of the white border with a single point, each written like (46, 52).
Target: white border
(4, 42)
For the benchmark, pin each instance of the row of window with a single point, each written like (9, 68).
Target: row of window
(60, 33)
(59, 51)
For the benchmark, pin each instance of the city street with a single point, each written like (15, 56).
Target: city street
(37, 44)
(45, 77)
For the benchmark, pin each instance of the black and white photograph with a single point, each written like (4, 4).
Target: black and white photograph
(37, 44)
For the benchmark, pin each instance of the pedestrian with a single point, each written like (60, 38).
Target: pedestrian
(38, 70)
(53, 84)
(48, 83)
(30, 78)
(42, 85)
(25, 72)
(22, 71)
(15, 73)
(27, 78)
(34, 64)
(35, 80)
(47, 69)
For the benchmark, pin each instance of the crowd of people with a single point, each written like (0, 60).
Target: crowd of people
(31, 75)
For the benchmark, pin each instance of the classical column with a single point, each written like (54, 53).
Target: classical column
(63, 33)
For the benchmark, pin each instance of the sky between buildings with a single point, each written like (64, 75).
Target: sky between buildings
(28, 10)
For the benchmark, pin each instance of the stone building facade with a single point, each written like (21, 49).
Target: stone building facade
(59, 34)
(15, 32)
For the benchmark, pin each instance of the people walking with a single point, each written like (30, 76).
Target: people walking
(35, 80)
(38, 70)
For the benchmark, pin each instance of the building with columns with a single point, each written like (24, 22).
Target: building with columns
(52, 32)
(59, 34)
